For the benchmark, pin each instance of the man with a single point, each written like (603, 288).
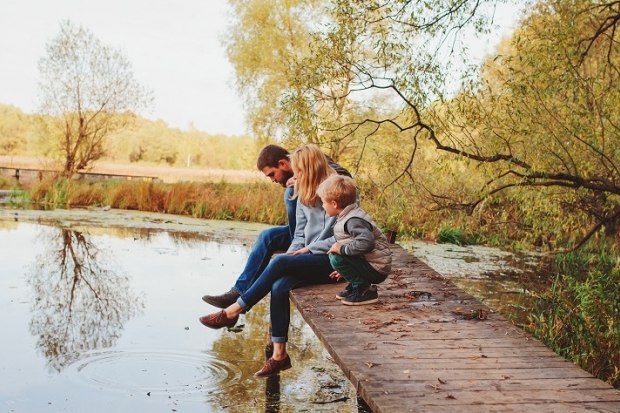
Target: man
(273, 161)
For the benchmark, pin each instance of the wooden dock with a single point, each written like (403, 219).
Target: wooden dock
(28, 175)
(427, 346)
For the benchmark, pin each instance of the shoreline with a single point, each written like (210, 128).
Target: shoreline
(77, 218)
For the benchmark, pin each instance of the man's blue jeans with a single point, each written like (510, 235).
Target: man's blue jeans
(281, 275)
(268, 242)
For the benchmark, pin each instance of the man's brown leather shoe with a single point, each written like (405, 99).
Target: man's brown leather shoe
(222, 300)
(272, 367)
(218, 320)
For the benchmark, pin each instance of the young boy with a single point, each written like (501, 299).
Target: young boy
(361, 254)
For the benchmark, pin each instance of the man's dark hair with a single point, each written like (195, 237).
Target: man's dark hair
(270, 155)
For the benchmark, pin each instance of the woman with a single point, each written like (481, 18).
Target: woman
(305, 262)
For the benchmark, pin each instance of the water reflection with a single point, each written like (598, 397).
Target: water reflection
(106, 319)
(506, 282)
(81, 302)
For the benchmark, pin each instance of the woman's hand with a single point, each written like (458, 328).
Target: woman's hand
(335, 248)
(304, 250)
(336, 275)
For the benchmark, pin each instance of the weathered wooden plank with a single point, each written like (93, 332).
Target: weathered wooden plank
(434, 375)
(429, 396)
(511, 408)
(389, 364)
(428, 346)
(405, 342)
(415, 383)
(404, 351)
(408, 405)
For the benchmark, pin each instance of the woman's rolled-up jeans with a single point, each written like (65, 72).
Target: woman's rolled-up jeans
(281, 275)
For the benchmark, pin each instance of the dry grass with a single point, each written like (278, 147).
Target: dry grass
(253, 202)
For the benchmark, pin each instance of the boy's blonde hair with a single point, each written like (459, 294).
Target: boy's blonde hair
(338, 188)
(310, 167)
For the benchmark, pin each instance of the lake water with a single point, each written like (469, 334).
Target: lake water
(504, 281)
(105, 319)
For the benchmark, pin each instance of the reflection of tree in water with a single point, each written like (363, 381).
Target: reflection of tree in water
(81, 302)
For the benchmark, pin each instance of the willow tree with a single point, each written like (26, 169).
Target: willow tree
(543, 119)
(264, 37)
(266, 43)
(538, 121)
(87, 91)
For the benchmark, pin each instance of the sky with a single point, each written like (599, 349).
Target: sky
(174, 48)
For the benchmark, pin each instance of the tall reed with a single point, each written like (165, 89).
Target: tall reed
(579, 317)
(256, 202)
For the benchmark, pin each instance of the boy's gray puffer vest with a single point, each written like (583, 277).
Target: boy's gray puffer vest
(380, 258)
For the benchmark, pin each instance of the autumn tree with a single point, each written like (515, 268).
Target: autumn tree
(273, 47)
(536, 123)
(87, 91)
(543, 121)
(264, 40)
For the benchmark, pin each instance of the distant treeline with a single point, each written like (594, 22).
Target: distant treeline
(146, 141)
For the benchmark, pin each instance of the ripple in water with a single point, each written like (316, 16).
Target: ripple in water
(155, 372)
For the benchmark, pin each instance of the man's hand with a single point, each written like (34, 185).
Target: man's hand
(304, 250)
(336, 275)
(335, 248)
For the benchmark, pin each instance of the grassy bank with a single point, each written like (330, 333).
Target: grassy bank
(254, 202)
(250, 201)
(505, 223)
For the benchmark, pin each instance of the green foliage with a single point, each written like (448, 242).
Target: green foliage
(143, 141)
(264, 38)
(154, 142)
(526, 140)
(452, 236)
(57, 194)
(15, 129)
(18, 198)
(579, 317)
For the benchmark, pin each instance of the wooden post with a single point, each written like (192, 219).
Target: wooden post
(391, 236)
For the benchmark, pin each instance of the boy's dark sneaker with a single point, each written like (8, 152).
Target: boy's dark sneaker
(345, 293)
(362, 295)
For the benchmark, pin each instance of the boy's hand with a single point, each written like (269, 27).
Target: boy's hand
(304, 250)
(335, 248)
(336, 275)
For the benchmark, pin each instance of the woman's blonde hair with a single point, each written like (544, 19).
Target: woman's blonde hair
(310, 167)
